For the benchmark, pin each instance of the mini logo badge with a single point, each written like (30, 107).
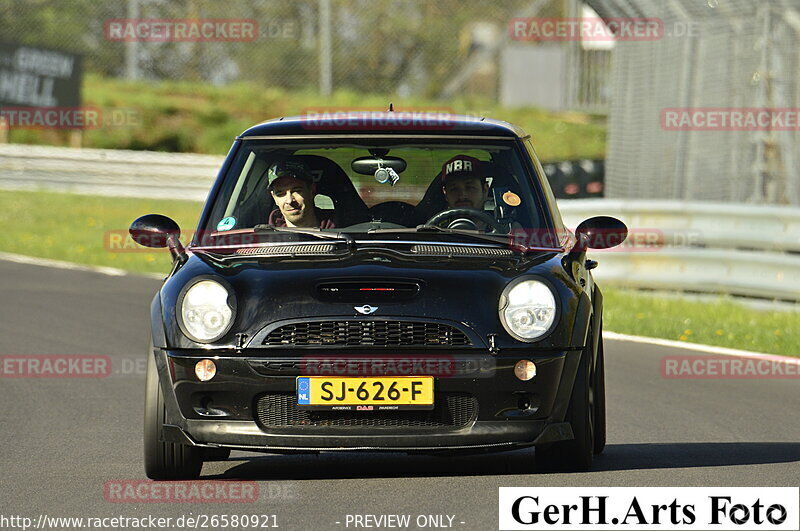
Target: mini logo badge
(366, 309)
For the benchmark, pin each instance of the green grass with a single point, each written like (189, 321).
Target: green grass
(194, 117)
(722, 322)
(76, 228)
(87, 229)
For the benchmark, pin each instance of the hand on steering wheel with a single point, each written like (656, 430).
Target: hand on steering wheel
(467, 213)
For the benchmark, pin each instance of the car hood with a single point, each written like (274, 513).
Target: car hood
(371, 284)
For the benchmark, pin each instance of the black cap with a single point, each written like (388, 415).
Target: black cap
(290, 167)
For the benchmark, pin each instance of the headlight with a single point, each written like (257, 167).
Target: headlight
(528, 309)
(204, 311)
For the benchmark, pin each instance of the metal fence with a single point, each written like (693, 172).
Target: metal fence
(405, 48)
(715, 56)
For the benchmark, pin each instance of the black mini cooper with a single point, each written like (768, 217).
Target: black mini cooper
(379, 281)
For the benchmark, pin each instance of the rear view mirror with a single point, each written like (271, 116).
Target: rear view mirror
(369, 165)
(602, 232)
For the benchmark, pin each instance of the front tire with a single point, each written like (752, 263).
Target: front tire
(574, 455)
(164, 460)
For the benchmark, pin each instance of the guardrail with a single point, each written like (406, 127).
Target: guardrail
(747, 250)
(110, 172)
(744, 250)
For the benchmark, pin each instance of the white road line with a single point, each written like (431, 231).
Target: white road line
(59, 264)
(709, 349)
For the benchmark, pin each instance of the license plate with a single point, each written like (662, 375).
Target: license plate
(365, 394)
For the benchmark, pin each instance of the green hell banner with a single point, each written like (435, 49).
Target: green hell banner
(39, 77)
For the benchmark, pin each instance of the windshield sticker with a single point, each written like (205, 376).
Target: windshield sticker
(512, 199)
(226, 223)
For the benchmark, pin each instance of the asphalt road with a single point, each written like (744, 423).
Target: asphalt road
(64, 439)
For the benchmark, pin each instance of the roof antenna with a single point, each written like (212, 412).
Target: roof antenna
(391, 107)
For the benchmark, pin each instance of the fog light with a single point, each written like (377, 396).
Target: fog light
(525, 370)
(205, 370)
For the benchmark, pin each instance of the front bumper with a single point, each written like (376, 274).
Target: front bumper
(229, 410)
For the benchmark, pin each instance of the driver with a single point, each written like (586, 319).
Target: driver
(293, 189)
(463, 183)
(464, 186)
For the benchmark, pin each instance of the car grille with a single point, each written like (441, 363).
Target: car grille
(452, 410)
(367, 333)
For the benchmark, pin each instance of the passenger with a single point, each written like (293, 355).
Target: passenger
(293, 189)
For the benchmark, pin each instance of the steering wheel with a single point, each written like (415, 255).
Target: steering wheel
(468, 213)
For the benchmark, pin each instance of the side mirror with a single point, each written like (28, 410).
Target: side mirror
(157, 231)
(601, 232)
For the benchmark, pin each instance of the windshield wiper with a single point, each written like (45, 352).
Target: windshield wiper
(486, 237)
(316, 233)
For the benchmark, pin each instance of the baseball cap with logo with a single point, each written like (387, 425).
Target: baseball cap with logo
(293, 168)
(462, 166)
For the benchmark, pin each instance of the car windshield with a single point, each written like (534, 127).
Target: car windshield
(378, 186)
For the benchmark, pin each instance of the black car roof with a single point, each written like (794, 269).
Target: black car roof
(380, 123)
